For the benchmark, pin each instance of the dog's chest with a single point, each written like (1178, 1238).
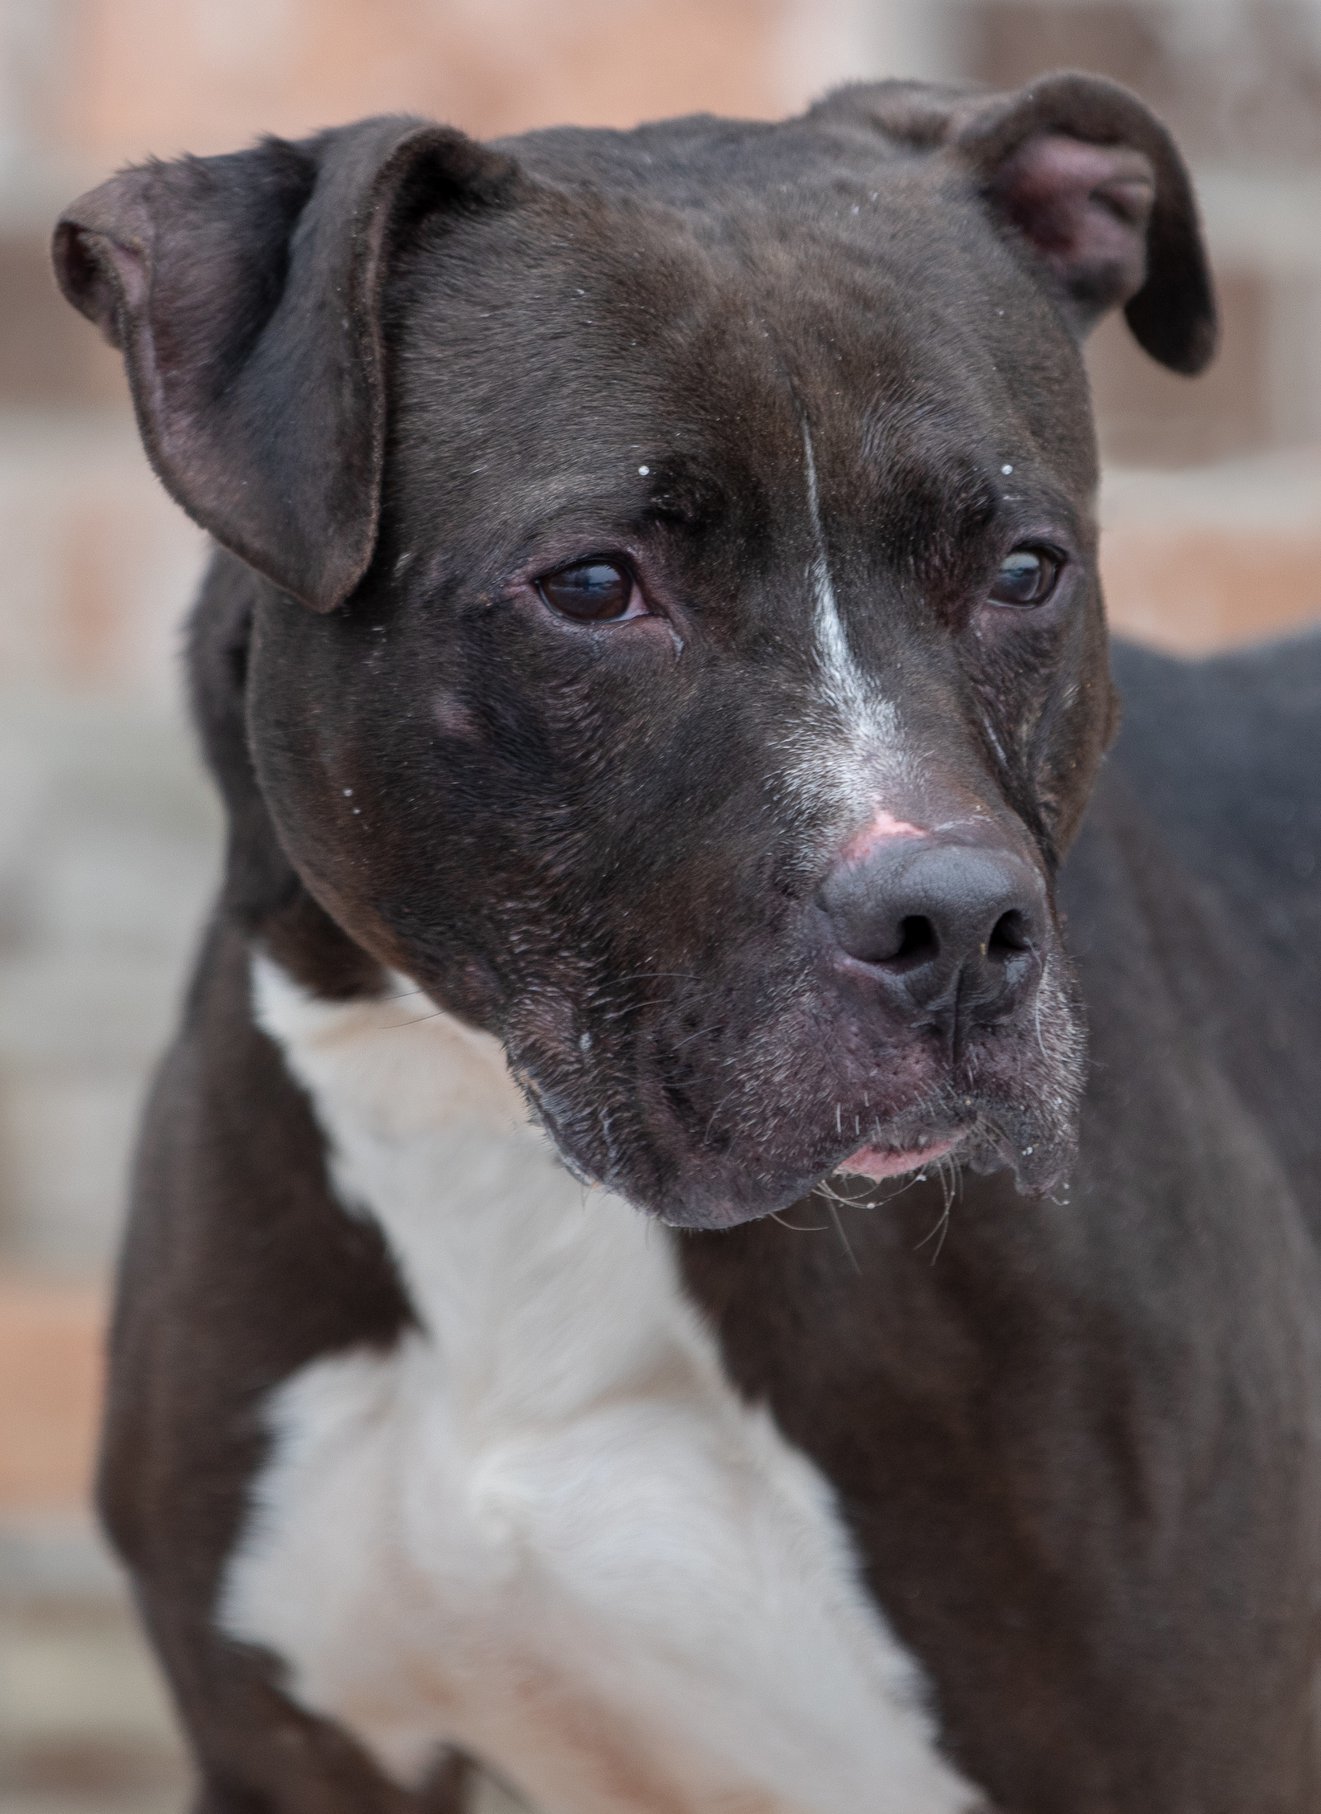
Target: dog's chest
(544, 1527)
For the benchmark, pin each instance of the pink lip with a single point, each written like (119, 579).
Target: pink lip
(885, 1162)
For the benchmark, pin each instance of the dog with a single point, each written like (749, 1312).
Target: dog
(639, 1289)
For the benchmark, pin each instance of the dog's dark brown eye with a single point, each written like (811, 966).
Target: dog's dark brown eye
(593, 592)
(1028, 576)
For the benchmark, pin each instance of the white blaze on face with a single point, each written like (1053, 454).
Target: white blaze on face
(845, 684)
(848, 753)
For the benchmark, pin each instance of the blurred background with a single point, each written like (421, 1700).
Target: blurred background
(108, 834)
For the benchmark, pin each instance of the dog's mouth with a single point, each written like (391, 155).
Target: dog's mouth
(988, 1137)
(745, 1123)
(879, 1161)
(706, 1186)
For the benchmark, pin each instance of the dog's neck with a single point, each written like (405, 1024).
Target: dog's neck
(394, 1060)
(561, 1415)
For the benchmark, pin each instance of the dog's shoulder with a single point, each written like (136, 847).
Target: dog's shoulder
(1197, 880)
(1224, 753)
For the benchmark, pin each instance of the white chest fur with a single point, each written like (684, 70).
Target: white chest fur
(544, 1527)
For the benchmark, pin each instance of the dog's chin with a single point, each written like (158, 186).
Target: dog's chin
(706, 1193)
(687, 1184)
(1011, 1104)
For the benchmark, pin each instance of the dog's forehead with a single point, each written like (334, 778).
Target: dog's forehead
(692, 159)
(676, 313)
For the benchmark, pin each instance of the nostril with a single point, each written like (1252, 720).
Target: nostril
(1009, 937)
(918, 943)
(933, 919)
(905, 945)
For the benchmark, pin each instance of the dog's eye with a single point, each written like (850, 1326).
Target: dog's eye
(1027, 576)
(593, 592)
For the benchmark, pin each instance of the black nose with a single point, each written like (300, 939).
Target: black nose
(953, 930)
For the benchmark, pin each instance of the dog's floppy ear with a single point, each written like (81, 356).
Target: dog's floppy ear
(244, 292)
(1090, 181)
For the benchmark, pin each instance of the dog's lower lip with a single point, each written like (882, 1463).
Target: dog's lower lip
(893, 1162)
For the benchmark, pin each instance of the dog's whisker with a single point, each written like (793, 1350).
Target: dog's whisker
(826, 1188)
(718, 1109)
(950, 1175)
(894, 1195)
(1036, 1008)
(415, 1021)
(690, 1037)
(816, 1228)
(833, 1212)
(937, 1234)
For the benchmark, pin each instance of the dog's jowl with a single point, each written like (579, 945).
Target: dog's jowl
(684, 1259)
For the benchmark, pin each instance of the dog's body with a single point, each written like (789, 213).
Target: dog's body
(420, 1449)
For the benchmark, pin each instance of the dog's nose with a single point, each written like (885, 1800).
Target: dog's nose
(951, 929)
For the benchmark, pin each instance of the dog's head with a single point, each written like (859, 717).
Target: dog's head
(678, 644)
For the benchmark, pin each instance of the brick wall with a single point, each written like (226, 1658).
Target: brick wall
(93, 83)
(99, 559)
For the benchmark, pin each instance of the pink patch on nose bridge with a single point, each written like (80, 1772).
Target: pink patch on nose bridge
(883, 825)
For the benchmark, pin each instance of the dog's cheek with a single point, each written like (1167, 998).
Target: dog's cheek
(1032, 1080)
(336, 755)
(1041, 716)
(1073, 729)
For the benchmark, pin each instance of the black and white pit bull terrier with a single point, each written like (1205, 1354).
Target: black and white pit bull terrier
(636, 1290)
